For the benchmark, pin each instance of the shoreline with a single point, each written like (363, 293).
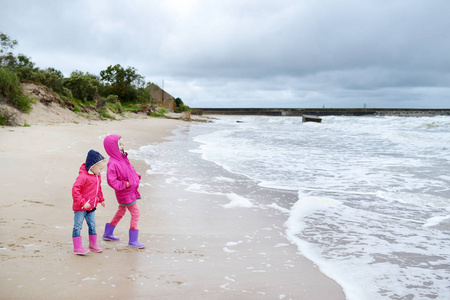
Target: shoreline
(185, 240)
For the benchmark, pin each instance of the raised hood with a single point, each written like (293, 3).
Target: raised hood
(111, 146)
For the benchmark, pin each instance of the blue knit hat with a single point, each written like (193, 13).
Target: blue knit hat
(92, 159)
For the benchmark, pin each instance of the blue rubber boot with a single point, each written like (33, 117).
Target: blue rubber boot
(108, 235)
(134, 242)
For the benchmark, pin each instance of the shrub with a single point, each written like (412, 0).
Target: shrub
(100, 103)
(112, 99)
(143, 95)
(102, 112)
(113, 103)
(178, 102)
(182, 108)
(7, 118)
(25, 69)
(76, 108)
(11, 89)
(131, 107)
(158, 114)
(67, 93)
(53, 79)
(84, 86)
(196, 112)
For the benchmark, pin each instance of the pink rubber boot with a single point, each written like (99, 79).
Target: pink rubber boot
(78, 246)
(93, 244)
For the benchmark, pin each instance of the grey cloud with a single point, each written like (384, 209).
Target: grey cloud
(301, 53)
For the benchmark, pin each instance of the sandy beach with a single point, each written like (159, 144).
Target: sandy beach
(193, 248)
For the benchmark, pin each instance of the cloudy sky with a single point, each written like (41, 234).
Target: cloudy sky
(249, 53)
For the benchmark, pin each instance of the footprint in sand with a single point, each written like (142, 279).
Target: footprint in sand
(191, 252)
(38, 202)
(127, 250)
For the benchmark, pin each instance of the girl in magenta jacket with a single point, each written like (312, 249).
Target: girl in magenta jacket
(86, 194)
(124, 179)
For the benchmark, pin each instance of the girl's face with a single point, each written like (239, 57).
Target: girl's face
(98, 168)
(121, 147)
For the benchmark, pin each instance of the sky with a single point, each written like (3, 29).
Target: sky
(249, 53)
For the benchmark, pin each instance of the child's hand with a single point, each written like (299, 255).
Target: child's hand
(87, 206)
(128, 185)
(103, 204)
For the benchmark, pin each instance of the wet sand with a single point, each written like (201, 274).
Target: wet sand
(194, 248)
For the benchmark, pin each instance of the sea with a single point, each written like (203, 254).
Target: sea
(369, 197)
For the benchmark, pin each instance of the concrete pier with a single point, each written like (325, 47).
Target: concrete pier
(417, 112)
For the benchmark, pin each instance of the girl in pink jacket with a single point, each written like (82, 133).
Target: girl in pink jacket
(124, 179)
(86, 194)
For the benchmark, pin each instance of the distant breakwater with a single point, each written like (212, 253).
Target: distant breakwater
(404, 112)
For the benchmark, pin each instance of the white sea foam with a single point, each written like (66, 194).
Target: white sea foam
(436, 220)
(373, 205)
(370, 193)
(233, 243)
(225, 249)
(237, 201)
(281, 245)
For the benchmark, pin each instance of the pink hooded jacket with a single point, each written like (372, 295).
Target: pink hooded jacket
(87, 188)
(120, 171)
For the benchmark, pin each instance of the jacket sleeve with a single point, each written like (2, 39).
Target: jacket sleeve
(100, 193)
(135, 172)
(115, 179)
(78, 199)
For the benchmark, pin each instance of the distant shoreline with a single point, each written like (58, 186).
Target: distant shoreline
(402, 112)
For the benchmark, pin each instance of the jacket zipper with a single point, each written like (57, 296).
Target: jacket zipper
(96, 193)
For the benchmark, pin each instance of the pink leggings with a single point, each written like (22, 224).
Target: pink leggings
(135, 214)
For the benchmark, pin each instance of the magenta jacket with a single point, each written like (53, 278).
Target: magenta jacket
(120, 171)
(87, 188)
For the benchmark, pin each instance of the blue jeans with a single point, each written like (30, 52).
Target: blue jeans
(79, 216)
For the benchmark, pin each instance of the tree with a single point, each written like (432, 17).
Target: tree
(178, 102)
(6, 55)
(84, 86)
(122, 82)
(53, 79)
(55, 72)
(25, 68)
(21, 64)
